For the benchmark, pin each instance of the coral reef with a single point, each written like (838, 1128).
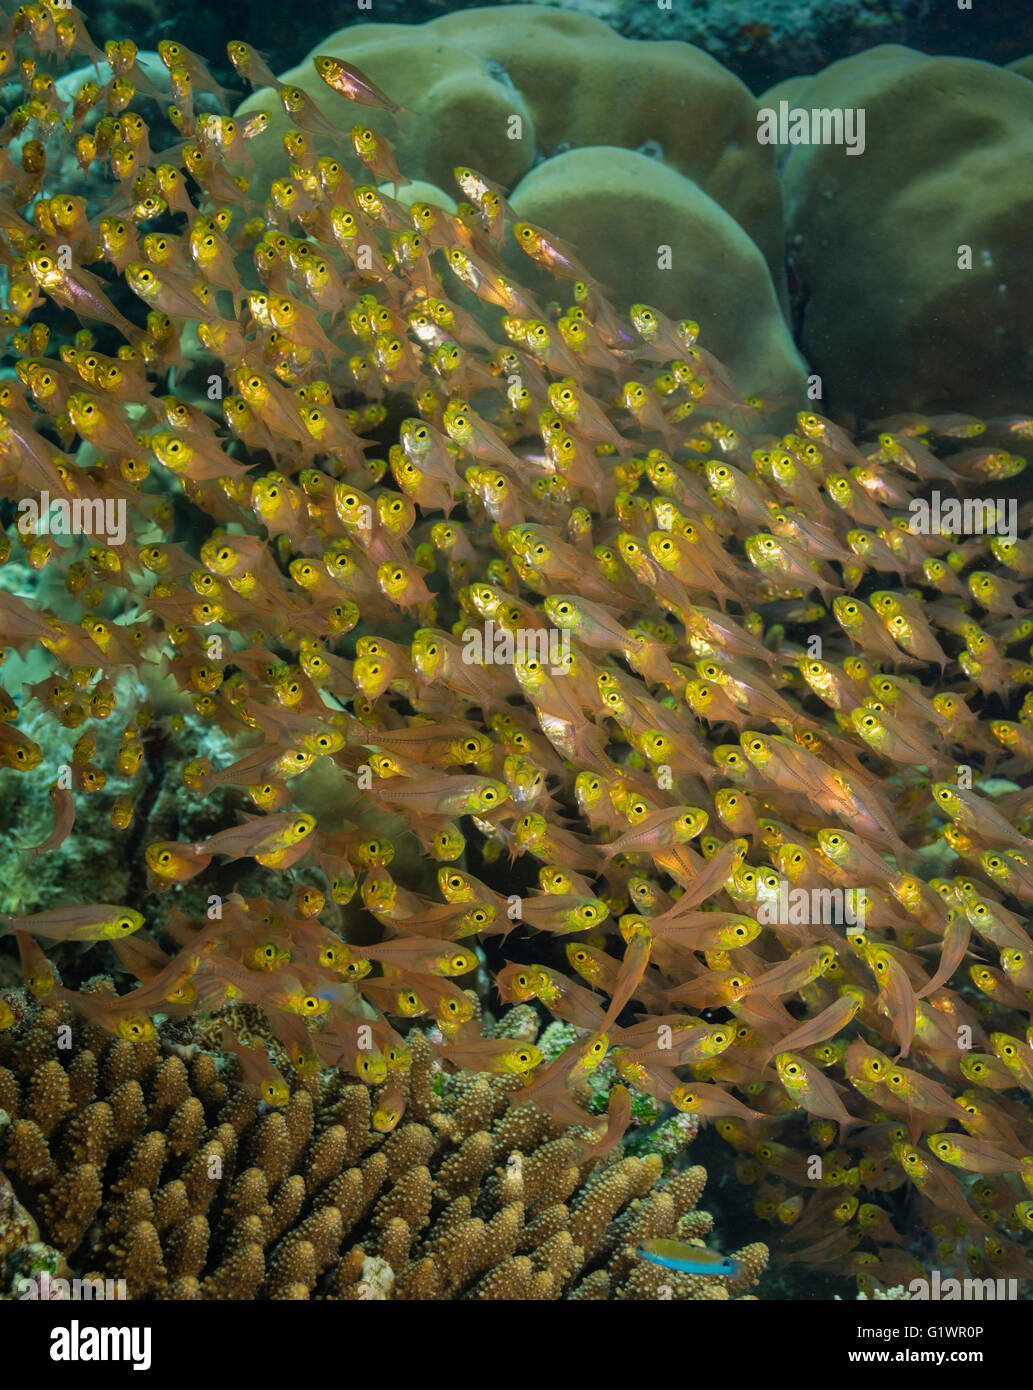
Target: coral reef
(552, 668)
(150, 1165)
(467, 77)
(764, 41)
(26, 1262)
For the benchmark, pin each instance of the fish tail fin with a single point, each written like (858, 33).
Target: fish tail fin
(9, 922)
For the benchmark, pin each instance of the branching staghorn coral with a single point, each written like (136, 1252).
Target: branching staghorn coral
(155, 1168)
(569, 649)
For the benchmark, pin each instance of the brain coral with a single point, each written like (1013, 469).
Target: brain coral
(710, 192)
(463, 76)
(715, 266)
(945, 167)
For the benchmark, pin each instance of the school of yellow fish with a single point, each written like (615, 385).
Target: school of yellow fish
(691, 668)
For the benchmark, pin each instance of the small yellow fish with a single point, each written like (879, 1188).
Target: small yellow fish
(93, 922)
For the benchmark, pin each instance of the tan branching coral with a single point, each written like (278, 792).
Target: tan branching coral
(467, 1198)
